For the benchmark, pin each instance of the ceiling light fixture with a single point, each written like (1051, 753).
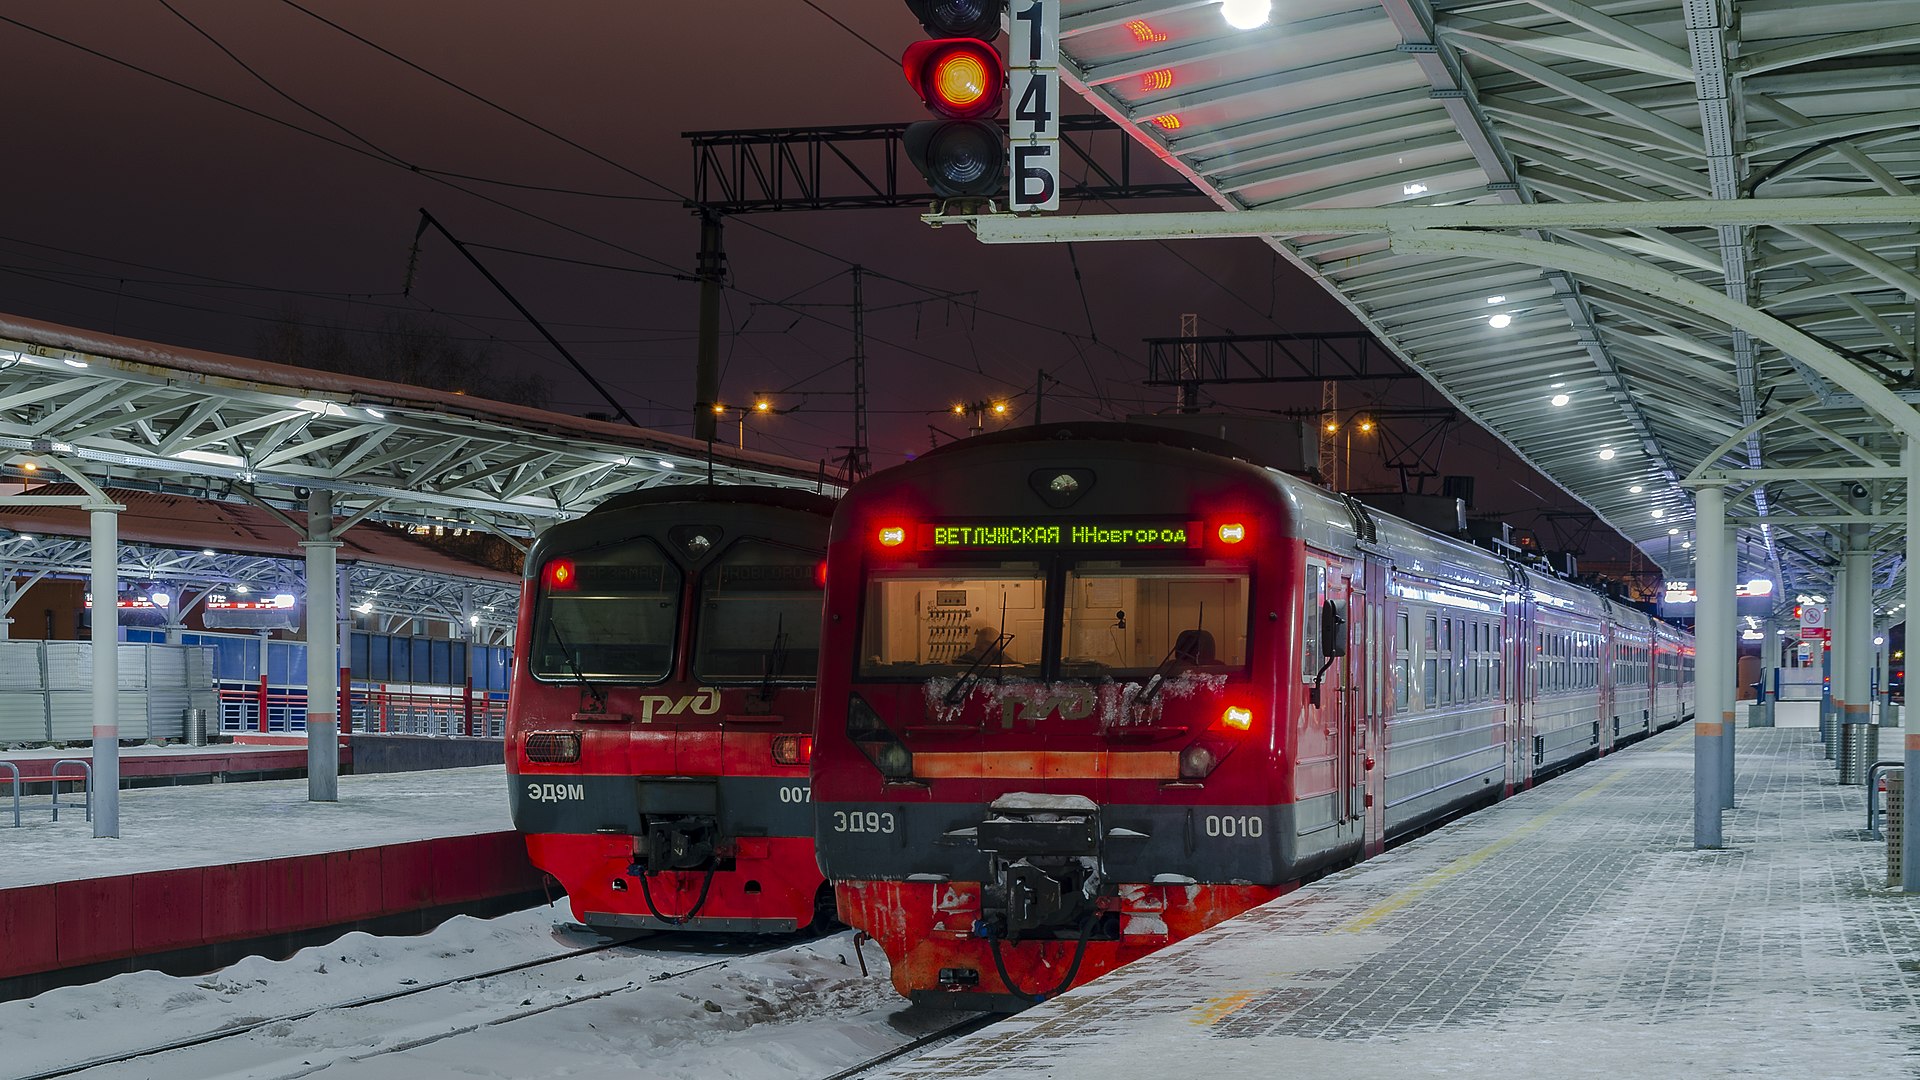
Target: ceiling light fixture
(1246, 14)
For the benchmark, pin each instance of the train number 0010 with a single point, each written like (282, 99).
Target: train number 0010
(795, 793)
(1231, 825)
(868, 821)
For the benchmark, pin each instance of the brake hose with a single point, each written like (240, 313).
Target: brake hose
(1079, 953)
(699, 903)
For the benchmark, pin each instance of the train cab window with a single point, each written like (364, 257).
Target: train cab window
(1310, 608)
(1128, 619)
(760, 614)
(610, 615)
(988, 617)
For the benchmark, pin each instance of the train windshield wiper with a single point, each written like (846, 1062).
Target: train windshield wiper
(776, 657)
(599, 695)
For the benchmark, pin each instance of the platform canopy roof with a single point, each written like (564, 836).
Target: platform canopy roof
(135, 414)
(1647, 343)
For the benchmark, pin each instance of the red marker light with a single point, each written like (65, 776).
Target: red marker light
(820, 573)
(561, 575)
(1232, 533)
(1237, 718)
(893, 536)
(792, 749)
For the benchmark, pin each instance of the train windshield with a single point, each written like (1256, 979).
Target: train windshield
(1127, 619)
(609, 616)
(988, 617)
(760, 614)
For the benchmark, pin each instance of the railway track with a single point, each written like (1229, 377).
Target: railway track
(965, 1026)
(240, 1030)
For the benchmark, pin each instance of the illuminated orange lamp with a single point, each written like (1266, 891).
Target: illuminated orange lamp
(893, 535)
(1240, 719)
(1232, 532)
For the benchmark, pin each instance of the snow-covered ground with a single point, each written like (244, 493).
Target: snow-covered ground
(671, 1006)
(169, 828)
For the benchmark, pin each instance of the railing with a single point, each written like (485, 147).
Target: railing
(448, 711)
(86, 770)
(16, 790)
(1873, 796)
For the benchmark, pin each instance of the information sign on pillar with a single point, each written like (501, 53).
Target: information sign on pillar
(1033, 128)
(1813, 623)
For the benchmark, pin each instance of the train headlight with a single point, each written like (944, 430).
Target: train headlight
(792, 749)
(1197, 761)
(877, 741)
(553, 747)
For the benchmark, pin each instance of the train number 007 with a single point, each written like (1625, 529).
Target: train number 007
(868, 821)
(1230, 825)
(795, 793)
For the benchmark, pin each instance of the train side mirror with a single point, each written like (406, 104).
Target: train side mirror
(1333, 643)
(1333, 628)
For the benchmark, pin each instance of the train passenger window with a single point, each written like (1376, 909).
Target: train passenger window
(1182, 615)
(613, 621)
(946, 620)
(1402, 677)
(1431, 680)
(1461, 660)
(760, 614)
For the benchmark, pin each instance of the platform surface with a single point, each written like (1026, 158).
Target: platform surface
(170, 828)
(1570, 932)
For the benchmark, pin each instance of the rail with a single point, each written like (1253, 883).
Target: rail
(15, 769)
(53, 776)
(1873, 796)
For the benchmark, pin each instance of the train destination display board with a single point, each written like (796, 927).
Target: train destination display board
(1067, 534)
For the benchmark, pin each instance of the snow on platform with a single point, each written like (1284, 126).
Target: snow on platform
(171, 828)
(1573, 931)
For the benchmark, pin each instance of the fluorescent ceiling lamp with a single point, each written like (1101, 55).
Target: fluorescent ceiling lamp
(209, 457)
(1246, 14)
(1500, 320)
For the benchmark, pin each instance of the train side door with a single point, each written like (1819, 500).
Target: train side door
(1374, 657)
(1519, 684)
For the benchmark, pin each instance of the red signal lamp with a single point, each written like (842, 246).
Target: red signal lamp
(892, 536)
(1232, 532)
(1237, 717)
(958, 78)
(562, 576)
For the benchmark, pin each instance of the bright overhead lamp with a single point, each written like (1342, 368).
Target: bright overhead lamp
(1636, 489)
(1413, 189)
(1496, 299)
(1606, 453)
(1500, 320)
(72, 363)
(1673, 532)
(1559, 400)
(1658, 513)
(664, 463)
(1684, 544)
(160, 597)
(1246, 14)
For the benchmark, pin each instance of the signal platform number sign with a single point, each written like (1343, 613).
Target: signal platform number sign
(1033, 128)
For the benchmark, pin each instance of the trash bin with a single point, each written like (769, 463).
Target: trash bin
(196, 727)
(1859, 749)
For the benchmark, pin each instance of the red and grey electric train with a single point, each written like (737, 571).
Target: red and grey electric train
(1088, 689)
(662, 711)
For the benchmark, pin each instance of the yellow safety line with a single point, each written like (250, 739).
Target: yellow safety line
(1214, 1010)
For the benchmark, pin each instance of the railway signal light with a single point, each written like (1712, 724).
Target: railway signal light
(961, 79)
(561, 575)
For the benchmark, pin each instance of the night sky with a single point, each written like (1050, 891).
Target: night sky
(160, 210)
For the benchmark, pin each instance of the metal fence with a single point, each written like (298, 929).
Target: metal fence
(46, 690)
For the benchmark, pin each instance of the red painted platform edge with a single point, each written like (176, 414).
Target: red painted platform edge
(204, 764)
(71, 923)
